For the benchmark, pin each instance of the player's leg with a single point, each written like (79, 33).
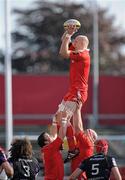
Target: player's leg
(70, 135)
(77, 119)
(73, 151)
(77, 126)
(65, 111)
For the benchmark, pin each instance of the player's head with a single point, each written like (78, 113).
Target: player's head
(20, 147)
(81, 42)
(101, 146)
(92, 135)
(44, 139)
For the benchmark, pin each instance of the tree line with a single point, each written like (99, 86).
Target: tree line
(36, 39)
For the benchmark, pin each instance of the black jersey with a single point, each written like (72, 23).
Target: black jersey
(25, 168)
(98, 167)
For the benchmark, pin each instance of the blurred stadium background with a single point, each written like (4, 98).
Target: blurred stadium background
(29, 59)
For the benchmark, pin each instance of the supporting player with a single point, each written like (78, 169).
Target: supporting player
(85, 142)
(21, 156)
(50, 150)
(98, 166)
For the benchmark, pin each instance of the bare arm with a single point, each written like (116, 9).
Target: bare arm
(70, 30)
(7, 168)
(116, 173)
(75, 174)
(53, 128)
(77, 119)
(66, 39)
(64, 35)
(64, 49)
(63, 128)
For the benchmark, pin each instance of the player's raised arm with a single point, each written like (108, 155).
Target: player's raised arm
(64, 49)
(63, 128)
(53, 128)
(71, 26)
(64, 34)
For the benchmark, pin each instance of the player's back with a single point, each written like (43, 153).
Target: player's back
(53, 162)
(97, 167)
(25, 168)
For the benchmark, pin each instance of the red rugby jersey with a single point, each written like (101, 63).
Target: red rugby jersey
(79, 73)
(86, 149)
(79, 69)
(53, 162)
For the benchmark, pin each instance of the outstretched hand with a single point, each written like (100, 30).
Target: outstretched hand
(71, 29)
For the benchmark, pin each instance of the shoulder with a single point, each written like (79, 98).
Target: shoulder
(86, 52)
(109, 157)
(50, 147)
(111, 160)
(82, 137)
(96, 156)
(34, 160)
(80, 134)
(58, 140)
(80, 54)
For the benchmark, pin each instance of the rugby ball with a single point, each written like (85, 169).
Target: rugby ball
(72, 22)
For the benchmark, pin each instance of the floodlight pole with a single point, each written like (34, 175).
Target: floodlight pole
(8, 76)
(95, 64)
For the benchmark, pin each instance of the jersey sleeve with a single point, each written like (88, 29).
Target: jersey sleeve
(80, 55)
(82, 166)
(112, 161)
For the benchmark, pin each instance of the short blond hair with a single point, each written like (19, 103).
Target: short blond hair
(84, 38)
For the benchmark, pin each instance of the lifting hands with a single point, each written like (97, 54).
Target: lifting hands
(71, 30)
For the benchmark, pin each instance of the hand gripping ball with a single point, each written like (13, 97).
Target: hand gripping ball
(72, 22)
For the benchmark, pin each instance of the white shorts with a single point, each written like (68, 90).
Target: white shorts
(68, 106)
